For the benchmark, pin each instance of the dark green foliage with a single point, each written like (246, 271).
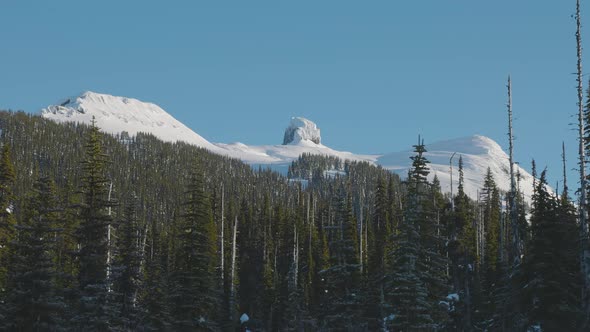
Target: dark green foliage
(406, 289)
(552, 265)
(463, 254)
(34, 301)
(342, 277)
(490, 199)
(126, 272)
(194, 295)
(380, 229)
(299, 243)
(155, 313)
(94, 311)
(7, 221)
(492, 215)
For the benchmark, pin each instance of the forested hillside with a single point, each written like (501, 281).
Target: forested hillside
(130, 233)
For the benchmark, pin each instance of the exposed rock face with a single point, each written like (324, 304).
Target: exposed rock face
(301, 129)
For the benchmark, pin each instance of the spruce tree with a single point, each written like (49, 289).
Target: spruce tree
(551, 266)
(94, 311)
(465, 219)
(434, 251)
(491, 214)
(155, 315)
(194, 295)
(376, 269)
(127, 278)
(464, 255)
(34, 301)
(342, 278)
(7, 220)
(406, 289)
(491, 267)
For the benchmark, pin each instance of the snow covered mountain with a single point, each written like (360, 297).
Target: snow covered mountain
(301, 136)
(117, 114)
(478, 153)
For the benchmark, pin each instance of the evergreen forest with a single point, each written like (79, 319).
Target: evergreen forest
(112, 233)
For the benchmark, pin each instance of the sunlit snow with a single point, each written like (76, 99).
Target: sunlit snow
(117, 114)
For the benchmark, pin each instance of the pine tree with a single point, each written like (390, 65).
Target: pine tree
(434, 242)
(66, 260)
(406, 289)
(465, 219)
(155, 315)
(464, 256)
(342, 278)
(551, 266)
(127, 278)
(194, 295)
(7, 220)
(491, 218)
(491, 202)
(376, 269)
(34, 301)
(94, 311)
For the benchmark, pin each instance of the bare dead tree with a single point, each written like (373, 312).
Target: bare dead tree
(513, 192)
(584, 254)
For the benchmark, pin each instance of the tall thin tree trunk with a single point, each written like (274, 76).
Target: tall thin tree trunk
(295, 255)
(233, 271)
(109, 242)
(515, 245)
(584, 253)
(565, 189)
(142, 246)
(222, 258)
(361, 230)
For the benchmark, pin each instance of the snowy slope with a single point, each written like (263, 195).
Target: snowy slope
(117, 114)
(285, 154)
(478, 153)
(301, 136)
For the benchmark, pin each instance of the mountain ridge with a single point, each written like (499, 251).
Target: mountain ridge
(117, 114)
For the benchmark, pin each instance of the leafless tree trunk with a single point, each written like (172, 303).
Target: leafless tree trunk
(361, 230)
(222, 235)
(109, 242)
(584, 254)
(295, 256)
(233, 270)
(515, 245)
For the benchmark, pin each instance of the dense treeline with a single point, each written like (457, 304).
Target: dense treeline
(126, 233)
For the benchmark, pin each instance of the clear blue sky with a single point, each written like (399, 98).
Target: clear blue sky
(372, 74)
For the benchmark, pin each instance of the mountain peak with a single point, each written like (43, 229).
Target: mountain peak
(475, 144)
(90, 101)
(301, 130)
(115, 114)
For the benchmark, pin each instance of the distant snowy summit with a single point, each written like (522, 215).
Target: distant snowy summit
(301, 129)
(118, 114)
(301, 136)
(478, 153)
